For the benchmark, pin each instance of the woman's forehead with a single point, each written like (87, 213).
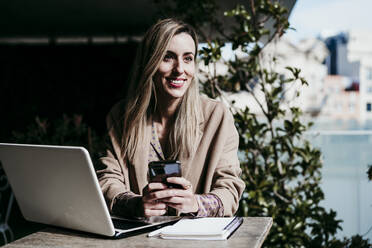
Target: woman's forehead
(182, 43)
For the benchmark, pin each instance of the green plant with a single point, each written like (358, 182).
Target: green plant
(280, 167)
(68, 131)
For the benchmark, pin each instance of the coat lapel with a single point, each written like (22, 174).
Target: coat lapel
(186, 161)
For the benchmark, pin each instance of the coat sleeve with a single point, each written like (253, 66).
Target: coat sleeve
(113, 176)
(227, 183)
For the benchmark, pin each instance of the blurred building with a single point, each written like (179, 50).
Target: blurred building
(351, 56)
(341, 99)
(308, 56)
(338, 70)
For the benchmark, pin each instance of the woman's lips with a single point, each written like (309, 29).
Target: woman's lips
(176, 83)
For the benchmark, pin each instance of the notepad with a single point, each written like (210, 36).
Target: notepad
(202, 228)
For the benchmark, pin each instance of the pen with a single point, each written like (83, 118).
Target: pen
(232, 222)
(156, 232)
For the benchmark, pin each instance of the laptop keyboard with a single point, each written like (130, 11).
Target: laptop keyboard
(124, 224)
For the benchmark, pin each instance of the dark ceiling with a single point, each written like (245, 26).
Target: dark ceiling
(46, 18)
(74, 17)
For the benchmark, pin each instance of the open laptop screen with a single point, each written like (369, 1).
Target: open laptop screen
(57, 185)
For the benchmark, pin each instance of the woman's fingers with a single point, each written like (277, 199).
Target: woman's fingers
(152, 212)
(181, 181)
(167, 193)
(182, 204)
(154, 186)
(182, 200)
(177, 200)
(179, 207)
(153, 208)
(148, 195)
(154, 205)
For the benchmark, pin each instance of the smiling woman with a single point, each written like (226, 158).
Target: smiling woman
(164, 118)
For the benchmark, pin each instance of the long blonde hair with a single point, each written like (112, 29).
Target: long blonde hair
(141, 95)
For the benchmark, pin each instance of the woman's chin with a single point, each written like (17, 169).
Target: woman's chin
(175, 93)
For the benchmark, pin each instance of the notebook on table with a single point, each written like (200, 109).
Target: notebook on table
(217, 228)
(57, 185)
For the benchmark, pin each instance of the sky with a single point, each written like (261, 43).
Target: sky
(311, 17)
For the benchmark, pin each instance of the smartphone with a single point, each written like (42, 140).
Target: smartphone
(160, 170)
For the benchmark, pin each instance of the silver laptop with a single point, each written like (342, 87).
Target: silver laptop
(57, 185)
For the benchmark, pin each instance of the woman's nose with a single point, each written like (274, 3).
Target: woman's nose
(178, 67)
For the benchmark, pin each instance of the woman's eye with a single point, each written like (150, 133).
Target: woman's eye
(188, 59)
(167, 57)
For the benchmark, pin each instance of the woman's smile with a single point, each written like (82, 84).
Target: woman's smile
(176, 82)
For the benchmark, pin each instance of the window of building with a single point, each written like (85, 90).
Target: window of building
(369, 73)
(351, 107)
(369, 107)
(353, 96)
(338, 107)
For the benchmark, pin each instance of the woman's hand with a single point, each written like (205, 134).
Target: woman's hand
(150, 200)
(184, 199)
(157, 196)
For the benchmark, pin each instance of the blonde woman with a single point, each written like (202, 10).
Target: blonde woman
(163, 118)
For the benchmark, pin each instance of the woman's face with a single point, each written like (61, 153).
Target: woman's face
(177, 68)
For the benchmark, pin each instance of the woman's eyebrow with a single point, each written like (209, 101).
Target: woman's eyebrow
(188, 53)
(174, 54)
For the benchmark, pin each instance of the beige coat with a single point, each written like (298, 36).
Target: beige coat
(214, 168)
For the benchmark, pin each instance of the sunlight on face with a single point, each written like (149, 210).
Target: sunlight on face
(177, 68)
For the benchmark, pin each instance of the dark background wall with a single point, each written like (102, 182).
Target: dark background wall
(50, 80)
